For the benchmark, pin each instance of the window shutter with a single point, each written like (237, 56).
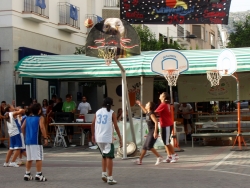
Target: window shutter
(197, 30)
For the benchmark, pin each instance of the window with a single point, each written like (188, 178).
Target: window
(197, 30)
(202, 33)
(212, 39)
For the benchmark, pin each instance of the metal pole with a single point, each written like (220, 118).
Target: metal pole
(125, 100)
(14, 88)
(141, 110)
(238, 111)
(124, 121)
(168, 35)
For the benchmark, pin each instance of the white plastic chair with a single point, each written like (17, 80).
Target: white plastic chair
(178, 131)
(60, 134)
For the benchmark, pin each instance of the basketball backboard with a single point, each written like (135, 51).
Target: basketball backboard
(113, 32)
(169, 60)
(226, 63)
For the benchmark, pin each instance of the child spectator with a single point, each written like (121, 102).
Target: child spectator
(34, 129)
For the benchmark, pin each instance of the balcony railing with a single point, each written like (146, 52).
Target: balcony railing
(187, 34)
(112, 3)
(180, 31)
(39, 7)
(69, 15)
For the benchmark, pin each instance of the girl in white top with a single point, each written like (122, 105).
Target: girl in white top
(16, 137)
(44, 107)
(102, 134)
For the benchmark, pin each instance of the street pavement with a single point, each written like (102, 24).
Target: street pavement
(198, 167)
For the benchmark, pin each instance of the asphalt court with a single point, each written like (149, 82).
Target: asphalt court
(203, 166)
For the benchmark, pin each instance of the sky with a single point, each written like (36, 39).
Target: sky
(239, 5)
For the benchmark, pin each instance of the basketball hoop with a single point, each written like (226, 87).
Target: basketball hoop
(171, 76)
(107, 53)
(214, 77)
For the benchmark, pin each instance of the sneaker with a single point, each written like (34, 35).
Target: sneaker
(90, 144)
(159, 160)
(27, 177)
(175, 156)
(20, 163)
(174, 159)
(167, 160)
(104, 177)
(138, 162)
(13, 164)
(40, 177)
(111, 181)
(5, 164)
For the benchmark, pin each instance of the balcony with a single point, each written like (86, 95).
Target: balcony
(181, 37)
(36, 10)
(112, 3)
(69, 18)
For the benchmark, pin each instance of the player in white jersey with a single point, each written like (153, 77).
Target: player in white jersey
(102, 134)
(16, 136)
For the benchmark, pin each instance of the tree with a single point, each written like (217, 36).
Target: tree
(80, 50)
(240, 37)
(149, 41)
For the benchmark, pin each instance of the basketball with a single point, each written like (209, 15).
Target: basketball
(88, 23)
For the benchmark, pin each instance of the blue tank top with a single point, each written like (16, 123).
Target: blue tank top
(33, 132)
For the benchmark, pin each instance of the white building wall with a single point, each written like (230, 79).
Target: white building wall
(163, 29)
(19, 32)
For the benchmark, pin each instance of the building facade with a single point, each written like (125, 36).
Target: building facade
(34, 27)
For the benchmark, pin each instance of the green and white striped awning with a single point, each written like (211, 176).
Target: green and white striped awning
(81, 66)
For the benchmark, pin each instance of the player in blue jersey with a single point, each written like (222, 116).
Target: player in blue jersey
(102, 133)
(34, 128)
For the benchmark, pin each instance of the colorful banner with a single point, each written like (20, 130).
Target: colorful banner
(175, 11)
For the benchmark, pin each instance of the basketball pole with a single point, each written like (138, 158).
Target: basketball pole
(125, 101)
(239, 136)
(175, 144)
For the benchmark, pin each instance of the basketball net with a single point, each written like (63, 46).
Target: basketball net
(171, 76)
(214, 77)
(107, 53)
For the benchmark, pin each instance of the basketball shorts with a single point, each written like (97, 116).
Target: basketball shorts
(166, 134)
(17, 142)
(107, 150)
(34, 152)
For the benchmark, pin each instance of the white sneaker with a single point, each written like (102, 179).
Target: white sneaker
(111, 181)
(159, 160)
(27, 177)
(175, 156)
(40, 177)
(5, 164)
(13, 164)
(90, 144)
(104, 177)
(174, 159)
(167, 160)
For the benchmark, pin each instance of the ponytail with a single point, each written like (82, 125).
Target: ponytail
(107, 103)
